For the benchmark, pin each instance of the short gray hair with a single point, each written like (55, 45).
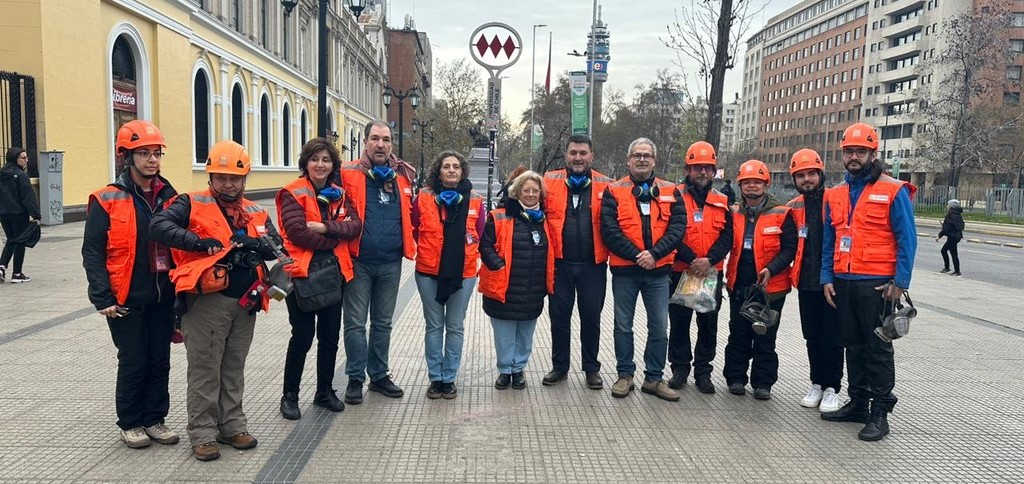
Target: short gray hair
(643, 141)
(517, 184)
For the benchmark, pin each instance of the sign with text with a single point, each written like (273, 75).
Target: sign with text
(124, 97)
(579, 102)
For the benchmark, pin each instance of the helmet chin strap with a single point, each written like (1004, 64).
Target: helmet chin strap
(224, 197)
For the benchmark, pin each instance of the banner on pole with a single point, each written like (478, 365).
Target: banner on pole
(579, 102)
(536, 138)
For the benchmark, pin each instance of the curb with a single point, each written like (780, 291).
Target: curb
(980, 241)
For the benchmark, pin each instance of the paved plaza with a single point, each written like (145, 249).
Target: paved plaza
(960, 418)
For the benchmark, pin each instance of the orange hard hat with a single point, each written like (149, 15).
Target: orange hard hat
(229, 158)
(136, 133)
(860, 134)
(754, 170)
(701, 153)
(805, 159)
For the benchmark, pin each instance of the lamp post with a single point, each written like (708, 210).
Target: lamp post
(533, 89)
(357, 6)
(422, 127)
(414, 100)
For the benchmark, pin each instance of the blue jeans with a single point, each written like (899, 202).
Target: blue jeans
(373, 291)
(654, 289)
(442, 343)
(513, 342)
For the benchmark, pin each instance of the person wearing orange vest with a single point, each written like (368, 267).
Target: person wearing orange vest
(643, 218)
(129, 284)
(867, 258)
(703, 249)
(214, 234)
(518, 271)
(317, 219)
(448, 217)
(573, 213)
(764, 245)
(380, 186)
(818, 320)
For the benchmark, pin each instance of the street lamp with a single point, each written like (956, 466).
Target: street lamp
(423, 127)
(414, 100)
(533, 89)
(357, 6)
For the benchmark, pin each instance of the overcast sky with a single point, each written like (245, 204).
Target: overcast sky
(636, 28)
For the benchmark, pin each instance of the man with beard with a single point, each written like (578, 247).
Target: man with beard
(764, 244)
(380, 187)
(573, 214)
(867, 258)
(817, 317)
(703, 249)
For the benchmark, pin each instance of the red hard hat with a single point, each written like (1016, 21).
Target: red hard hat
(861, 135)
(805, 159)
(701, 153)
(228, 157)
(134, 134)
(754, 170)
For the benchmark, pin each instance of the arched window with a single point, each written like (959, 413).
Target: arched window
(201, 116)
(122, 70)
(264, 131)
(128, 83)
(237, 114)
(303, 128)
(286, 134)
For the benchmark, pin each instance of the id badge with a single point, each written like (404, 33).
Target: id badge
(385, 198)
(536, 237)
(161, 261)
(575, 201)
(802, 232)
(748, 243)
(698, 216)
(645, 208)
(470, 239)
(845, 243)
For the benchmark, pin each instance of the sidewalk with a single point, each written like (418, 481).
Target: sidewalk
(987, 228)
(959, 419)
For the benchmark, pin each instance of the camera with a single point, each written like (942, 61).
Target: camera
(245, 258)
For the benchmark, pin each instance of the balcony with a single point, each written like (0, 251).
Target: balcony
(896, 75)
(899, 51)
(904, 27)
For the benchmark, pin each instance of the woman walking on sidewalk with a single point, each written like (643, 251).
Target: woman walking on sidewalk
(18, 208)
(953, 230)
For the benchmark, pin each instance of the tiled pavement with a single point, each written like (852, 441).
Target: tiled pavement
(959, 420)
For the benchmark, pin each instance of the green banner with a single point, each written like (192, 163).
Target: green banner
(579, 102)
(536, 138)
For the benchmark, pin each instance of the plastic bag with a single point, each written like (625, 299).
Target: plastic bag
(697, 293)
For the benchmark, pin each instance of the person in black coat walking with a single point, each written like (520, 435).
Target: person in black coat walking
(18, 208)
(953, 230)
(729, 193)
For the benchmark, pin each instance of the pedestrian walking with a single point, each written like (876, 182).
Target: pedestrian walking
(18, 209)
(953, 231)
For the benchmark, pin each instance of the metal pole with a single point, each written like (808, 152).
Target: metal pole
(885, 137)
(419, 179)
(323, 124)
(401, 124)
(490, 168)
(533, 89)
(590, 55)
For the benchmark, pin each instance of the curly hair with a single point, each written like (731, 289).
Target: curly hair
(315, 146)
(434, 170)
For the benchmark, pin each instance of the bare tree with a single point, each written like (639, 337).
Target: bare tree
(458, 105)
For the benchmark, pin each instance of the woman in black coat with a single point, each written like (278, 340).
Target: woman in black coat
(18, 208)
(953, 230)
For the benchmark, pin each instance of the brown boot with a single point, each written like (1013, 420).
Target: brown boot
(241, 441)
(206, 452)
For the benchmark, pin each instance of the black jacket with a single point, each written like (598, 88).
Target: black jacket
(729, 193)
(622, 246)
(16, 194)
(810, 265)
(527, 285)
(146, 287)
(953, 224)
(722, 245)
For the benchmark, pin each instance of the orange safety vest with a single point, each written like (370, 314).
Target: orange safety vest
(557, 200)
(304, 193)
(494, 284)
(353, 180)
(431, 234)
(121, 238)
(873, 246)
(767, 244)
(206, 220)
(629, 217)
(700, 236)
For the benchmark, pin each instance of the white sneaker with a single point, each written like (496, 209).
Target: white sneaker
(162, 434)
(813, 397)
(135, 438)
(829, 401)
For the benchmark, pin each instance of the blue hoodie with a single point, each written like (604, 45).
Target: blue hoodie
(901, 220)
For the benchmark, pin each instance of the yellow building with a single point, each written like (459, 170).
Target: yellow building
(201, 70)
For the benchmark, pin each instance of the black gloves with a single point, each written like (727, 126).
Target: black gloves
(246, 242)
(204, 245)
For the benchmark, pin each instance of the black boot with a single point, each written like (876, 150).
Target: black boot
(518, 380)
(878, 424)
(290, 406)
(853, 411)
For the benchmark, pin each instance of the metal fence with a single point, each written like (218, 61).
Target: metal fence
(18, 116)
(1008, 202)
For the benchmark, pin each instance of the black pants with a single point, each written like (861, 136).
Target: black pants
(13, 226)
(745, 345)
(820, 326)
(949, 249)
(326, 324)
(679, 352)
(588, 282)
(869, 360)
(143, 341)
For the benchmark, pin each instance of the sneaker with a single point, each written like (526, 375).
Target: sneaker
(622, 387)
(762, 394)
(21, 277)
(944, 270)
(660, 389)
(518, 380)
(813, 397)
(135, 438)
(829, 401)
(434, 390)
(206, 452)
(704, 385)
(737, 389)
(354, 392)
(386, 387)
(448, 390)
(240, 441)
(678, 380)
(554, 377)
(594, 381)
(290, 406)
(3, 273)
(162, 434)
(328, 399)
(957, 273)
(503, 382)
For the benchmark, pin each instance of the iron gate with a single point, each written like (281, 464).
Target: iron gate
(18, 116)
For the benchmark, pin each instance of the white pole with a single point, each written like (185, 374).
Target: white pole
(590, 55)
(533, 83)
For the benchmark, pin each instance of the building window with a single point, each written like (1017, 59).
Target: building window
(303, 128)
(1018, 19)
(236, 14)
(1017, 46)
(286, 134)
(1011, 98)
(201, 116)
(1013, 73)
(237, 114)
(264, 34)
(264, 131)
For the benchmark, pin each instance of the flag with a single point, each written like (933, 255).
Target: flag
(547, 78)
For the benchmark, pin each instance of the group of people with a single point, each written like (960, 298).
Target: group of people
(194, 266)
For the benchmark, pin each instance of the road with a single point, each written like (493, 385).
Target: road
(981, 262)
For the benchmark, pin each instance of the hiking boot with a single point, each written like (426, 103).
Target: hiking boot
(853, 411)
(704, 385)
(813, 397)
(206, 452)
(829, 401)
(622, 387)
(957, 274)
(448, 390)
(354, 392)
(737, 389)
(660, 389)
(518, 380)
(944, 270)
(877, 426)
(240, 441)
(503, 382)
(328, 399)
(386, 387)
(19, 277)
(763, 393)
(162, 434)
(594, 381)
(135, 438)
(290, 406)
(434, 390)
(678, 380)
(3, 273)
(554, 377)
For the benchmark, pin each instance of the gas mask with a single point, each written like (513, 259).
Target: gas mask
(897, 324)
(760, 314)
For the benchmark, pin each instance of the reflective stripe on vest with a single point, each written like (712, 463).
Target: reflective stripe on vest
(872, 243)
(700, 236)
(796, 207)
(121, 237)
(556, 203)
(303, 193)
(353, 180)
(631, 224)
(431, 234)
(494, 284)
(767, 245)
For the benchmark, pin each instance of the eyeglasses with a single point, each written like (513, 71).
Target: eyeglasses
(700, 168)
(641, 156)
(146, 154)
(856, 151)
